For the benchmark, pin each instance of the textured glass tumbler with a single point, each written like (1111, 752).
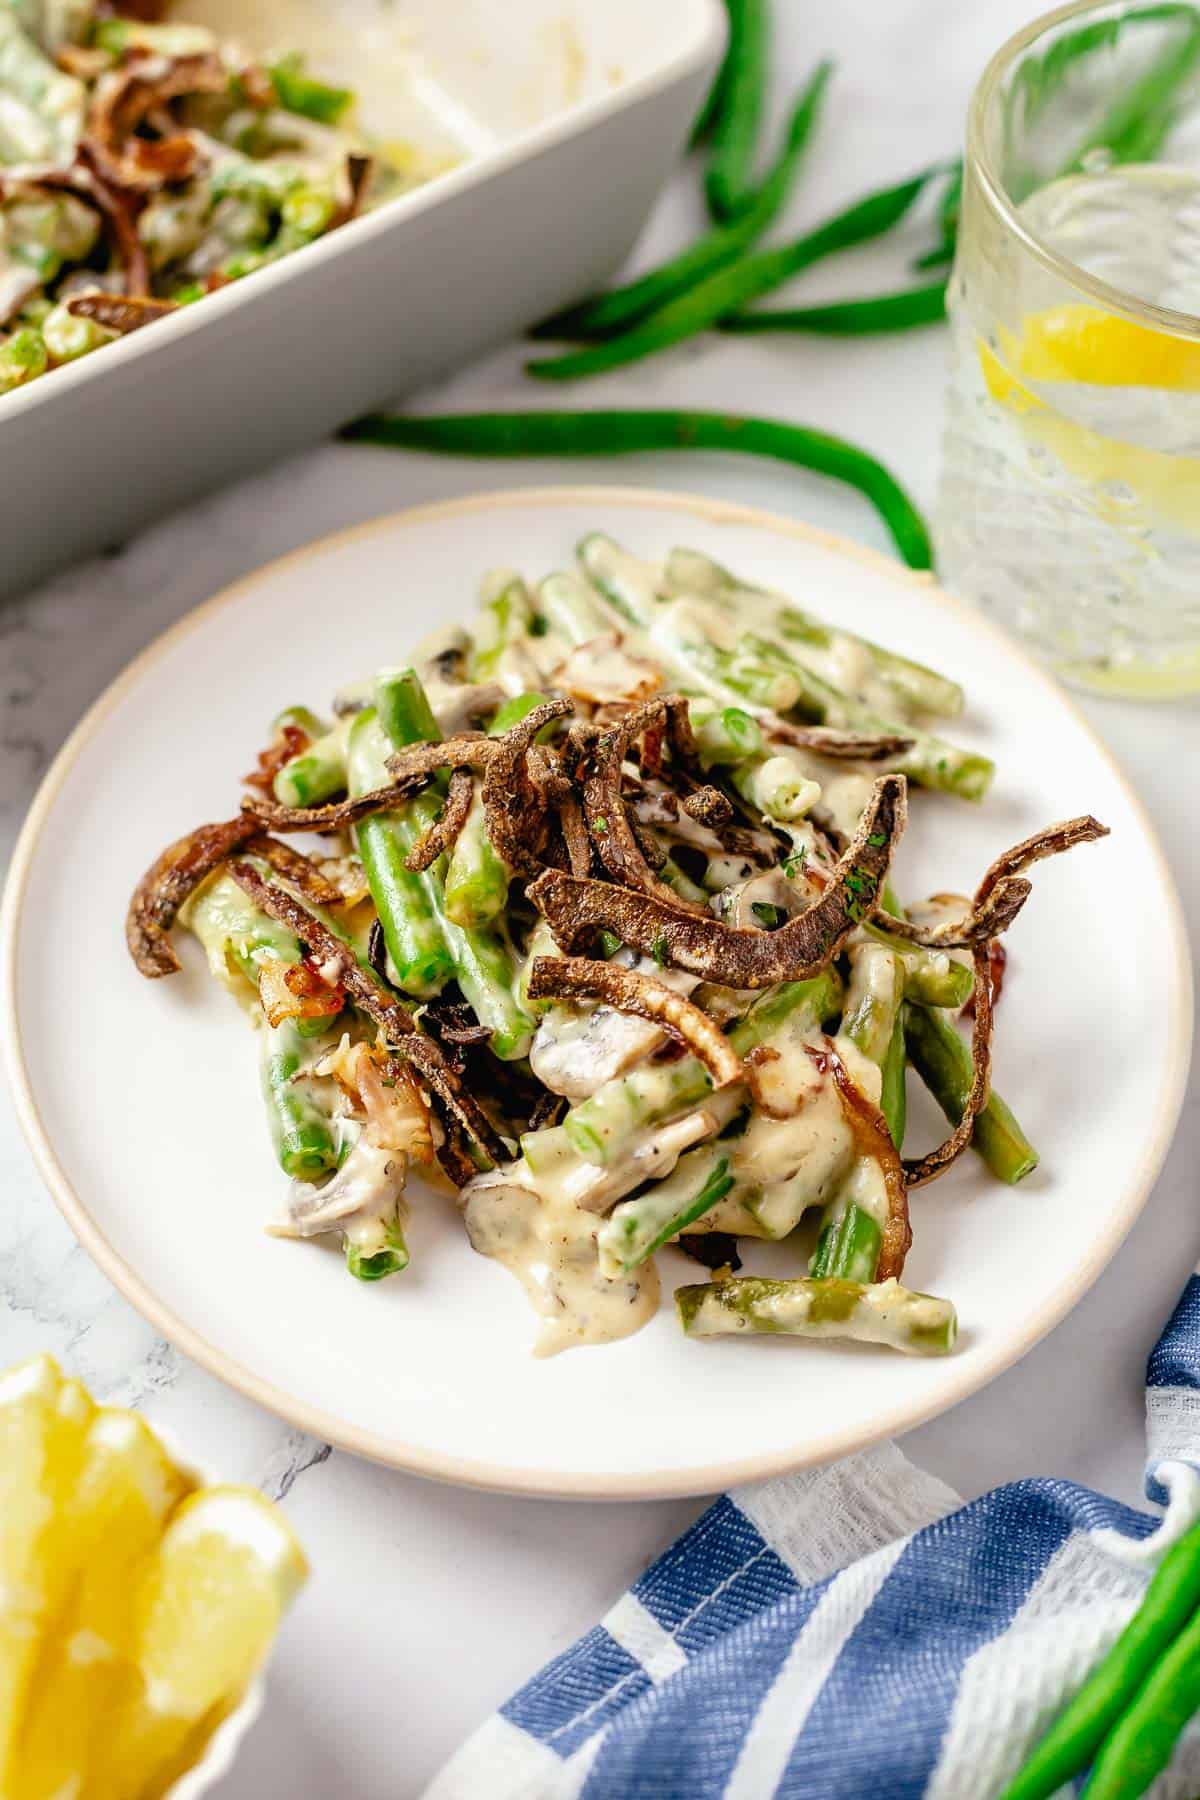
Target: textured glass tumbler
(1069, 502)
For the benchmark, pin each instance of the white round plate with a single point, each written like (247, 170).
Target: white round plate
(141, 1099)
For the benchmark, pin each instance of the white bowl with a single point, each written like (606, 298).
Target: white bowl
(571, 111)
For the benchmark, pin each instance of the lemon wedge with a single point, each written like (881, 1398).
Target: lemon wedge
(126, 1489)
(43, 1422)
(204, 1615)
(135, 1609)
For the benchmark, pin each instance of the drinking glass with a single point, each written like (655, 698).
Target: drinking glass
(1069, 502)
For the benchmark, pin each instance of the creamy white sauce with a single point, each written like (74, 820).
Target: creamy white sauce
(576, 1049)
(549, 1244)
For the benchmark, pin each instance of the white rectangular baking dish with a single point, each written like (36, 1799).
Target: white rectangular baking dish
(569, 114)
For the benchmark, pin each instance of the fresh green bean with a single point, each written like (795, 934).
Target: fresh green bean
(849, 318)
(621, 307)
(714, 100)
(1133, 1704)
(232, 931)
(300, 1129)
(616, 433)
(887, 1313)
(943, 1061)
(403, 708)
(729, 182)
(1142, 1742)
(732, 287)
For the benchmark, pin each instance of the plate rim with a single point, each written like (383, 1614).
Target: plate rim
(695, 1480)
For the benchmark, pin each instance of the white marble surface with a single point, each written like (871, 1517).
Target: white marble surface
(429, 1605)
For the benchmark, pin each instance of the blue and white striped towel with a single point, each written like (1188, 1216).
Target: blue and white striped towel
(855, 1633)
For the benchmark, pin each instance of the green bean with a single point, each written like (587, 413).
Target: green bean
(377, 1250)
(67, 338)
(850, 1237)
(42, 119)
(714, 100)
(1142, 1693)
(300, 1130)
(931, 977)
(943, 1061)
(916, 685)
(727, 736)
(419, 961)
(848, 1246)
(317, 773)
(478, 957)
(504, 621)
(735, 285)
(234, 934)
(728, 184)
(403, 708)
(639, 1227)
(570, 608)
(887, 1313)
(609, 313)
(22, 358)
(849, 318)
(476, 884)
(616, 433)
(893, 1095)
(299, 93)
(599, 1127)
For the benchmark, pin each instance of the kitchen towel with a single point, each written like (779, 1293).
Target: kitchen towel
(855, 1633)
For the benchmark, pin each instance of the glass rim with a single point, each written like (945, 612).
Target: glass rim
(1118, 300)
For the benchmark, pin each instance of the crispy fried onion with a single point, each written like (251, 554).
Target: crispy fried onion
(357, 179)
(118, 209)
(826, 740)
(337, 815)
(300, 871)
(737, 956)
(465, 750)
(296, 991)
(386, 1094)
(627, 991)
(708, 806)
(120, 312)
(517, 813)
(1002, 892)
(124, 100)
(604, 809)
(872, 1138)
(443, 833)
(167, 883)
(327, 951)
(925, 1168)
(429, 1060)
